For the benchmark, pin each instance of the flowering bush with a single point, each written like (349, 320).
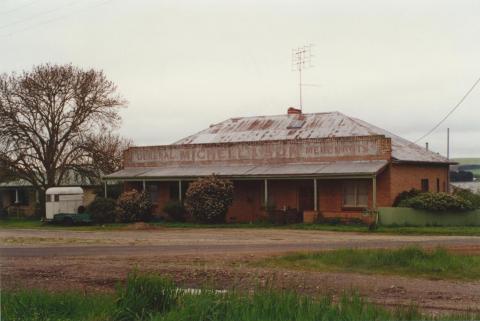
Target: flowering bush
(439, 202)
(474, 198)
(134, 206)
(207, 199)
(406, 195)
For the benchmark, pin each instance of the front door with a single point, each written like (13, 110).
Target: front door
(305, 198)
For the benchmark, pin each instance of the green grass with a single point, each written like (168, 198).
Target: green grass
(410, 261)
(38, 305)
(279, 306)
(152, 298)
(14, 223)
(467, 161)
(20, 223)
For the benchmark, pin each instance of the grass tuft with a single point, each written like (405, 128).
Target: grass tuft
(38, 305)
(279, 306)
(411, 261)
(144, 295)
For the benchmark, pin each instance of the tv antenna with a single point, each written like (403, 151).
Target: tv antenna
(301, 59)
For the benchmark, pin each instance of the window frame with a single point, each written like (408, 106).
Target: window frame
(424, 185)
(357, 186)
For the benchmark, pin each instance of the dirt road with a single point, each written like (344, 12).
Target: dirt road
(177, 241)
(95, 261)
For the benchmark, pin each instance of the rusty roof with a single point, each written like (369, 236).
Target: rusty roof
(324, 169)
(304, 126)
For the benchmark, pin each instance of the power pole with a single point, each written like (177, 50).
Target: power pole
(301, 59)
(448, 158)
(448, 143)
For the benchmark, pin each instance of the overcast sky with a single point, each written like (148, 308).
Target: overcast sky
(183, 65)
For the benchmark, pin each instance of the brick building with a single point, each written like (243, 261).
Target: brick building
(325, 163)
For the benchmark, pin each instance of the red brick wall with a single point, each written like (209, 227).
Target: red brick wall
(248, 195)
(404, 177)
(383, 188)
(247, 202)
(289, 151)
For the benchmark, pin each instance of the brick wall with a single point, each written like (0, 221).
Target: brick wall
(404, 177)
(248, 194)
(373, 147)
(247, 202)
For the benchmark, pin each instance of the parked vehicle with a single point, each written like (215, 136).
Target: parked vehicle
(65, 205)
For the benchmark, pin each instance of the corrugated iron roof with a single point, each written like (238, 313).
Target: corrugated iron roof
(333, 169)
(315, 125)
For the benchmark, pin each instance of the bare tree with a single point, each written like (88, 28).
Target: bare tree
(105, 154)
(50, 120)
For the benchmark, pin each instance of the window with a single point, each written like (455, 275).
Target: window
(23, 197)
(153, 192)
(174, 191)
(355, 194)
(438, 185)
(424, 183)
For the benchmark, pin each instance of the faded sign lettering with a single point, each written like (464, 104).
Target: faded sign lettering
(297, 151)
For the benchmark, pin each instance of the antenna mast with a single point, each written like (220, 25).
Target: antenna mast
(301, 59)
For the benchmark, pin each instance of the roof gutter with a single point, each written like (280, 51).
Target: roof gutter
(396, 161)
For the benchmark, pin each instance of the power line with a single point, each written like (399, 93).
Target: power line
(37, 15)
(19, 7)
(450, 112)
(45, 22)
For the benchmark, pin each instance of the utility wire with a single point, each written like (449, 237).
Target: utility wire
(450, 112)
(54, 19)
(19, 7)
(37, 15)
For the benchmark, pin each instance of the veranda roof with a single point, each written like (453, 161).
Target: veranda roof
(325, 170)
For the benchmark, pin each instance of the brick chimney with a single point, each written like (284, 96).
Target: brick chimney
(294, 111)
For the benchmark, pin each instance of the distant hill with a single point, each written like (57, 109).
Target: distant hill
(469, 164)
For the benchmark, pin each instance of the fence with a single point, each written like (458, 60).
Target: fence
(404, 216)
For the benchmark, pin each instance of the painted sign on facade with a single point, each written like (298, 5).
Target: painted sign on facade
(259, 152)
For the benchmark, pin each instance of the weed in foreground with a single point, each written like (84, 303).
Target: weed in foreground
(146, 297)
(143, 296)
(38, 305)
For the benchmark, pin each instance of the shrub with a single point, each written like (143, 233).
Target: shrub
(134, 206)
(406, 195)
(175, 210)
(144, 296)
(468, 195)
(102, 210)
(439, 202)
(208, 199)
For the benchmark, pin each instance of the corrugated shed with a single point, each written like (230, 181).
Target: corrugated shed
(316, 125)
(330, 169)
